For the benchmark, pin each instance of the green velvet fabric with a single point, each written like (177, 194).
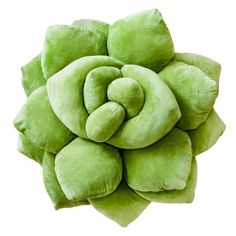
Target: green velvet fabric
(96, 84)
(116, 117)
(123, 205)
(90, 24)
(41, 126)
(164, 165)
(78, 42)
(104, 121)
(157, 117)
(194, 91)
(141, 39)
(65, 91)
(26, 147)
(86, 169)
(185, 195)
(53, 187)
(206, 135)
(128, 93)
(210, 67)
(32, 75)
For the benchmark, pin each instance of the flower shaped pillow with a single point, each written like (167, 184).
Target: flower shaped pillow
(116, 117)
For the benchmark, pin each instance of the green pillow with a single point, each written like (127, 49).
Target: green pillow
(106, 128)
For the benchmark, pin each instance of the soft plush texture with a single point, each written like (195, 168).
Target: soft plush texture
(65, 90)
(115, 117)
(164, 165)
(123, 205)
(210, 67)
(39, 123)
(141, 39)
(32, 75)
(78, 42)
(87, 169)
(53, 187)
(96, 85)
(26, 147)
(104, 121)
(194, 91)
(157, 116)
(206, 135)
(185, 195)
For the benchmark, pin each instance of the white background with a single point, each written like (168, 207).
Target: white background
(204, 27)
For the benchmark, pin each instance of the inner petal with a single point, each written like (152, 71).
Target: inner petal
(104, 121)
(128, 93)
(95, 87)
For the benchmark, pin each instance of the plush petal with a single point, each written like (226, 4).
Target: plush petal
(210, 67)
(175, 196)
(53, 187)
(95, 86)
(105, 121)
(32, 75)
(194, 91)
(163, 166)
(159, 113)
(206, 135)
(65, 91)
(122, 206)
(87, 169)
(38, 122)
(141, 39)
(90, 24)
(128, 93)
(26, 147)
(64, 44)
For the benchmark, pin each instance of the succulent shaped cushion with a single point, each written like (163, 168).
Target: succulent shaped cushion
(115, 117)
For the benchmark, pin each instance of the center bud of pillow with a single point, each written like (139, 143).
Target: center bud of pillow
(125, 97)
(104, 121)
(128, 93)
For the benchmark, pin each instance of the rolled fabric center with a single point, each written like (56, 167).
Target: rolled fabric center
(95, 86)
(109, 99)
(128, 93)
(104, 121)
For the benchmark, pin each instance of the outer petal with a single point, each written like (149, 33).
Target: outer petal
(163, 166)
(91, 24)
(52, 186)
(64, 44)
(38, 122)
(206, 135)
(141, 39)
(29, 149)
(176, 196)
(32, 75)
(194, 91)
(210, 67)
(65, 91)
(123, 205)
(86, 169)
